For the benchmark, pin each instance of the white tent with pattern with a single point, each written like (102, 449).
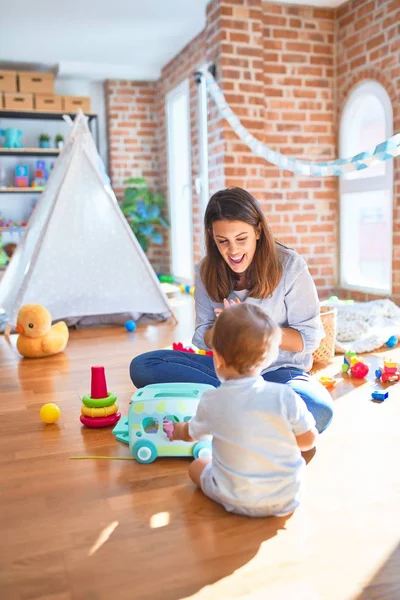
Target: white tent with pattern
(78, 256)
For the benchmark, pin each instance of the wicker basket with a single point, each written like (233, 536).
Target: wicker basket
(326, 350)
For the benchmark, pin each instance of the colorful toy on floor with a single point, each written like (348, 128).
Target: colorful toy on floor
(328, 382)
(187, 289)
(12, 137)
(152, 411)
(354, 364)
(50, 413)
(130, 325)
(37, 336)
(389, 372)
(166, 278)
(21, 177)
(338, 301)
(392, 341)
(100, 408)
(380, 395)
(181, 348)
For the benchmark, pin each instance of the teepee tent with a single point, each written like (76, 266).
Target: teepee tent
(78, 256)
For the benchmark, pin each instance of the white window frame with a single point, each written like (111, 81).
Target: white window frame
(364, 184)
(182, 88)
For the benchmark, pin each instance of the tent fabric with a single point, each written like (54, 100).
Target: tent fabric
(78, 257)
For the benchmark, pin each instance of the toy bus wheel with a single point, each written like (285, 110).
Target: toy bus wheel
(202, 450)
(144, 452)
(378, 373)
(385, 377)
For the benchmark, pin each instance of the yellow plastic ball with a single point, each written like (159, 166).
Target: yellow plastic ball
(49, 413)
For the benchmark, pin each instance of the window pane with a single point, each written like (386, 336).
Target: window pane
(364, 129)
(366, 240)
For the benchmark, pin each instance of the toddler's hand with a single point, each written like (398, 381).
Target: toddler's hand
(168, 428)
(174, 431)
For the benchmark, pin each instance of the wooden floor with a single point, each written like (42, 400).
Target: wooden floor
(169, 542)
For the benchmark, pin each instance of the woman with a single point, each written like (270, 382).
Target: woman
(244, 263)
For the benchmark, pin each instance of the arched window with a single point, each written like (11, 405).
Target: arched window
(366, 196)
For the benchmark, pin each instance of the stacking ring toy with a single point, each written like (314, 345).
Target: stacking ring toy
(105, 411)
(99, 402)
(100, 421)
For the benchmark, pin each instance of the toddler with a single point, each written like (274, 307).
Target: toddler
(259, 428)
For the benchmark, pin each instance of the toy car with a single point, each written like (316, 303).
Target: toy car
(388, 373)
(143, 428)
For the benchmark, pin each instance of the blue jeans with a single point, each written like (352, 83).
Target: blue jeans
(168, 366)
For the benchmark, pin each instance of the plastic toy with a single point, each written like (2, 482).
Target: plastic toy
(338, 301)
(130, 325)
(21, 178)
(41, 174)
(181, 348)
(37, 336)
(187, 289)
(380, 395)
(166, 278)
(388, 373)
(12, 137)
(50, 413)
(100, 408)
(151, 413)
(328, 382)
(392, 341)
(354, 364)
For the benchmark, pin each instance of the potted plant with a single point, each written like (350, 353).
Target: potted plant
(59, 141)
(143, 211)
(44, 140)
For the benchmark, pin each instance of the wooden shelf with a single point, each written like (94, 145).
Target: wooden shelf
(29, 151)
(17, 190)
(39, 114)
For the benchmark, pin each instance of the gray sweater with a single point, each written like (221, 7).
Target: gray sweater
(294, 303)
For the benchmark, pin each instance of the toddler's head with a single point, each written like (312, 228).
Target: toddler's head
(245, 341)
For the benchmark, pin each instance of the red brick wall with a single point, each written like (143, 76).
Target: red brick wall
(133, 138)
(285, 71)
(368, 47)
(275, 64)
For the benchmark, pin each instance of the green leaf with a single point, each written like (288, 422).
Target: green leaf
(136, 181)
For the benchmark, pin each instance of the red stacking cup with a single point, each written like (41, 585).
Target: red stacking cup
(99, 385)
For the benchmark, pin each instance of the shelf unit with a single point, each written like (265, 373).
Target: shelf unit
(29, 151)
(17, 190)
(39, 115)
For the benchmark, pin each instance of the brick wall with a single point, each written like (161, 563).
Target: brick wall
(286, 71)
(134, 150)
(368, 47)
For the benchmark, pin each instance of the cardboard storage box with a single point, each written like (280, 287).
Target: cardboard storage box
(8, 81)
(39, 83)
(18, 101)
(73, 103)
(48, 102)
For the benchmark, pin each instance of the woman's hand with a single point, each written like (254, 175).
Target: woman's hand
(227, 304)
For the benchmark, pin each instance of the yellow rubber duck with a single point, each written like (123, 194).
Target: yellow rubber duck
(37, 336)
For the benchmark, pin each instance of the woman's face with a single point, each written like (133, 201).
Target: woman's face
(236, 241)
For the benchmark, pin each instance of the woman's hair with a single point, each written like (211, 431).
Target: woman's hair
(246, 337)
(265, 271)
